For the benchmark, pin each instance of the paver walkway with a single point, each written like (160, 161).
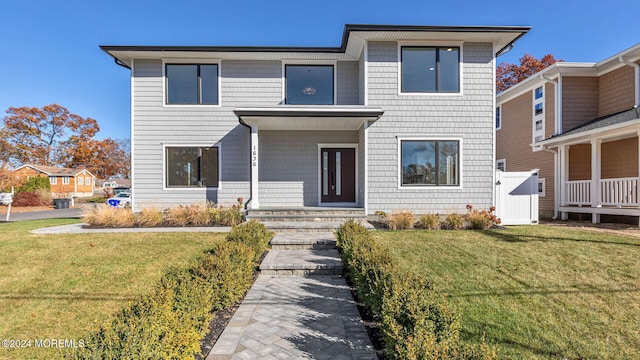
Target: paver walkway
(296, 316)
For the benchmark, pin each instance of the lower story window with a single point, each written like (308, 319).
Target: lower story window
(65, 180)
(53, 180)
(430, 162)
(192, 166)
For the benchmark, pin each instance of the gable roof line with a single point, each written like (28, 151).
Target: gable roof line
(43, 169)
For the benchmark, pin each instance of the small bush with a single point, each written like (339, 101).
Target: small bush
(109, 217)
(27, 199)
(429, 222)
(400, 221)
(252, 234)
(149, 217)
(482, 219)
(231, 216)
(453, 222)
(35, 183)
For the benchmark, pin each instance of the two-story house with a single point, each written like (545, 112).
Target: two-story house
(396, 118)
(579, 124)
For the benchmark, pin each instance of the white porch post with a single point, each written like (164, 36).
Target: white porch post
(596, 147)
(255, 202)
(563, 155)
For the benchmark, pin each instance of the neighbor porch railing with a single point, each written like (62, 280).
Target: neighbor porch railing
(579, 192)
(619, 192)
(613, 192)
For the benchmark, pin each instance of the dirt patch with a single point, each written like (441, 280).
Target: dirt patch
(21, 209)
(611, 228)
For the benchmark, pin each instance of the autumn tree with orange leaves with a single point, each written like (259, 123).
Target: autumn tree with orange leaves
(54, 136)
(508, 75)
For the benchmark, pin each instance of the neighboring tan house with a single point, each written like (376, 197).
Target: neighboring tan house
(64, 182)
(395, 118)
(579, 124)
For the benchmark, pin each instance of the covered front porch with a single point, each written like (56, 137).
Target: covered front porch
(598, 166)
(304, 156)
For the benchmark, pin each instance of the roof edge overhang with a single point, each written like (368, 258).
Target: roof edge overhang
(292, 117)
(611, 131)
(508, 35)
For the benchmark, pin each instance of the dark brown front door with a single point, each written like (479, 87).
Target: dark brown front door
(338, 175)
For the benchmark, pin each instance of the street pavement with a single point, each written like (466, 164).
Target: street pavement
(46, 214)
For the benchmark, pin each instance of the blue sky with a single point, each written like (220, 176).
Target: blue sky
(49, 49)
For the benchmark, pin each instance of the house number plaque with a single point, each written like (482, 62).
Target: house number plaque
(254, 156)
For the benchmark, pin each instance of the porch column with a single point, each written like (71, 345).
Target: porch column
(563, 156)
(255, 203)
(596, 146)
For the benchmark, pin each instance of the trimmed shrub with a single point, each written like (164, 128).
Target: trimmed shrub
(252, 234)
(231, 216)
(429, 222)
(35, 183)
(171, 321)
(416, 323)
(400, 221)
(149, 217)
(453, 222)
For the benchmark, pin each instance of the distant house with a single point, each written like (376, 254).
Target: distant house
(65, 182)
(578, 123)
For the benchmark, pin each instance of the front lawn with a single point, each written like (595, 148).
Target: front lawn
(66, 286)
(535, 292)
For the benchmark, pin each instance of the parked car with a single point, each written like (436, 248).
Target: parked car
(122, 200)
(6, 198)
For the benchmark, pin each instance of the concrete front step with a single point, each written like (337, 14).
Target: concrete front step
(301, 262)
(311, 212)
(303, 241)
(306, 226)
(305, 217)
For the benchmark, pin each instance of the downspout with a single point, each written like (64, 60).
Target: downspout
(557, 98)
(556, 183)
(637, 78)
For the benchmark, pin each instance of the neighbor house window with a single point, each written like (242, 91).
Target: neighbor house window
(87, 181)
(498, 118)
(65, 180)
(191, 166)
(541, 187)
(192, 84)
(430, 162)
(309, 84)
(53, 180)
(430, 69)
(538, 131)
(80, 181)
(501, 165)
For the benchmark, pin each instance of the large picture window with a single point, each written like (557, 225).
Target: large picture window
(309, 84)
(192, 166)
(192, 84)
(430, 162)
(430, 69)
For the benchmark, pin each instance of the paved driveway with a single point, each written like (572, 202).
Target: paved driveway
(47, 214)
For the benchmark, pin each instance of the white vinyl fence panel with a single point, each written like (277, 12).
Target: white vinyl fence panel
(517, 197)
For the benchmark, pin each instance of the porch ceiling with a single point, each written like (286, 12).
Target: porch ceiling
(308, 117)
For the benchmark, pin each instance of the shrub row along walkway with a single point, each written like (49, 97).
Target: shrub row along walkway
(299, 307)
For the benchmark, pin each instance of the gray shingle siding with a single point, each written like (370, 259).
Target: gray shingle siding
(468, 116)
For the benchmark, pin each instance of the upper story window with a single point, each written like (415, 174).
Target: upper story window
(309, 84)
(192, 84)
(498, 118)
(430, 69)
(188, 166)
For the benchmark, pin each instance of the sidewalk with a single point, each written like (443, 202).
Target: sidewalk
(297, 316)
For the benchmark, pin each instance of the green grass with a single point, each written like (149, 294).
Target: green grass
(536, 292)
(66, 286)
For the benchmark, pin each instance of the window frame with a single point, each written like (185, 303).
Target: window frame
(498, 117)
(504, 164)
(80, 180)
(542, 181)
(65, 180)
(436, 44)
(438, 138)
(333, 63)
(195, 145)
(165, 89)
(538, 116)
(53, 180)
